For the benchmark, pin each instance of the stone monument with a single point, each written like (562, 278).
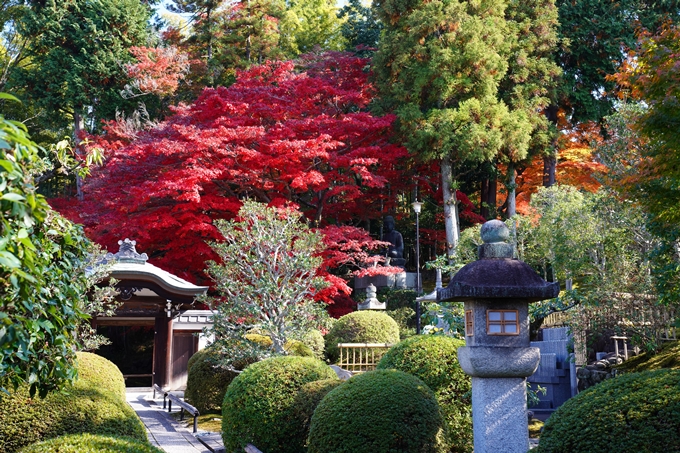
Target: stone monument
(497, 290)
(395, 252)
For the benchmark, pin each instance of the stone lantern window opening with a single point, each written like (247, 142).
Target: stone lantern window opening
(469, 323)
(502, 322)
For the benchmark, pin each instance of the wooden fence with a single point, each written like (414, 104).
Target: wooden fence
(360, 357)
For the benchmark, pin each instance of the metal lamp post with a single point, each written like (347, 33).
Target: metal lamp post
(417, 206)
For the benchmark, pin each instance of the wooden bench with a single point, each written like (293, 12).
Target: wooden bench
(183, 406)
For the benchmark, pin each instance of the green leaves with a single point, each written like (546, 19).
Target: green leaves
(42, 283)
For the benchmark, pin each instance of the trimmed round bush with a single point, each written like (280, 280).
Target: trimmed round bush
(632, 413)
(207, 382)
(259, 405)
(378, 412)
(94, 403)
(314, 341)
(434, 359)
(309, 396)
(90, 443)
(366, 326)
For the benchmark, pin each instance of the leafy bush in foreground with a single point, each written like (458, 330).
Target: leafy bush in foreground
(94, 403)
(259, 405)
(632, 413)
(90, 443)
(383, 411)
(434, 359)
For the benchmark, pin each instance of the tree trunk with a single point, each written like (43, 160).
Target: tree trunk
(78, 127)
(483, 197)
(549, 167)
(511, 208)
(550, 162)
(450, 209)
(491, 199)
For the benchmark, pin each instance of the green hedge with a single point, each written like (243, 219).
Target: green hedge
(259, 405)
(309, 397)
(434, 359)
(364, 326)
(89, 443)
(207, 382)
(383, 411)
(95, 403)
(632, 413)
(314, 341)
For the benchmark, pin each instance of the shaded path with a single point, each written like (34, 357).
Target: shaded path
(164, 431)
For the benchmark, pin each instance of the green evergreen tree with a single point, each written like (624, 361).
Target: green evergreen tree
(439, 67)
(77, 49)
(311, 23)
(360, 26)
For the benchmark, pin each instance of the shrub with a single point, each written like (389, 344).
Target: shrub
(207, 381)
(292, 347)
(309, 396)
(667, 357)
(632, 413)
(365, 326)
(313, 339)
(378, 412)
(258, 406)
(434, 359)
(89, 443)
(94, 403)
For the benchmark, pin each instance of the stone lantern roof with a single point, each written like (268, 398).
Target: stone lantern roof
(510, 278)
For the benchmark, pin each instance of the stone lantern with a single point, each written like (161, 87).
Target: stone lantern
(497, 290)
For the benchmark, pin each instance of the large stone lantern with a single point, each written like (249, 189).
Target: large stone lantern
(497, 290)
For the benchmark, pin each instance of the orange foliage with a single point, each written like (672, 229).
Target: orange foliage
(576, 164)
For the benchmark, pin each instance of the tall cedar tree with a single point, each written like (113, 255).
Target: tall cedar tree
(275, 136)
(529, 84)
(77, 49)
(439, 67)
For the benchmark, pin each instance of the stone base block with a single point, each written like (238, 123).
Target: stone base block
(499, 415)
(403, 280)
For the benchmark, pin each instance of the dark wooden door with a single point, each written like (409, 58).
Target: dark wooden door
(184, 345)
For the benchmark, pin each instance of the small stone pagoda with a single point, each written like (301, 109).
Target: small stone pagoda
(497, 290)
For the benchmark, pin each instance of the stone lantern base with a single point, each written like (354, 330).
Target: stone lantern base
(499, 415)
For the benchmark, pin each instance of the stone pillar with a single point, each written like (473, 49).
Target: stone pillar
(499, 415)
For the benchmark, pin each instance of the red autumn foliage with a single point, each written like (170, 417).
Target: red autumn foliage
(158, 70)
(277, 136)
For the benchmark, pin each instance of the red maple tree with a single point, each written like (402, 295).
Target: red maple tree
(279, 135)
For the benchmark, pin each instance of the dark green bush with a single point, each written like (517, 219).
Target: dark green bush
(365, 326)
(89, 443)
(378, 412)
(95, 403)
(632, 413)
(258, 406)
(207, 381)
(309, 396)
(434, 359)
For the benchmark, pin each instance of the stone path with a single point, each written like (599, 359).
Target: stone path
(163, 430)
